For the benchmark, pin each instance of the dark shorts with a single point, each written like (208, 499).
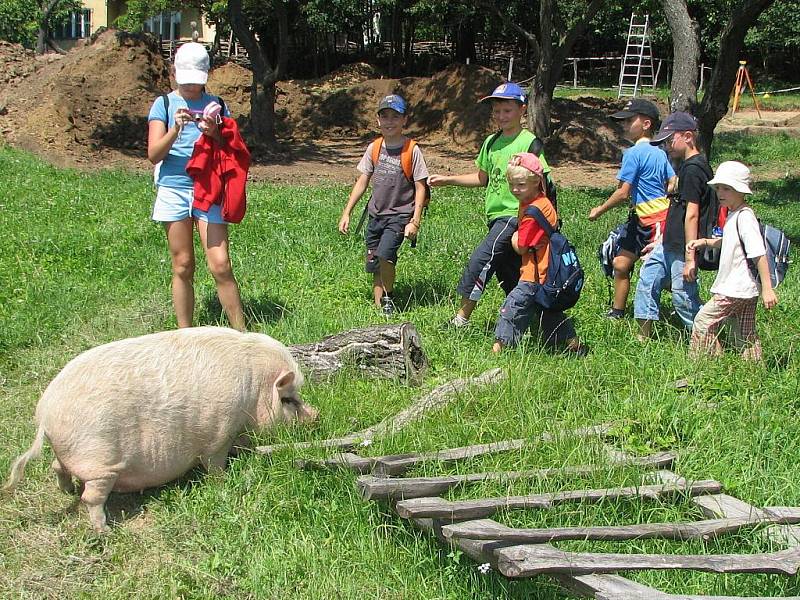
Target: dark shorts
(636, 236)
(383, 236)
(520, 311)
(494, 255)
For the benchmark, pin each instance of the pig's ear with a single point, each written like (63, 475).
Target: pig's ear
(284, 379)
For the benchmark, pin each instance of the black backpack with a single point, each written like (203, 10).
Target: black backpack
(708, 258)
(537, 148)
(565, 277)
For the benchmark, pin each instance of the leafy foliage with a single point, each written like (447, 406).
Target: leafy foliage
(19, 19)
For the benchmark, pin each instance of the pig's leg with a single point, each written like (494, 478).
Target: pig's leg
(95, 494)
(64, 478)
(216, 463)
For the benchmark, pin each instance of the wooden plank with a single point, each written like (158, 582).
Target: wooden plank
(390, 488)
(394, 466)
(723, 505)
(707, 529)
(528, 561)
(637, 595)
(436, 398)
(475, 509)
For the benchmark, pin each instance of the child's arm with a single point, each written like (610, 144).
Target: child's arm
(355, 195)
(690, 233)
(521, 250)
(160, 140)
(620, 196)
(699, 243)
(478, 179)
(412, 228)
(768, 296)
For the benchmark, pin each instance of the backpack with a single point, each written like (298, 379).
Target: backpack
(609, 249)
(710, 226)
(777, 246)
(565, 278)
(406, 162)
(537, 148)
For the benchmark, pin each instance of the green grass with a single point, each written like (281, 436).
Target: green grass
(81, 264)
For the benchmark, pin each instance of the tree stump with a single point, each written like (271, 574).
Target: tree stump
(391, 351)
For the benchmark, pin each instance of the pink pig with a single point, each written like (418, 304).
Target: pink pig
(140, 412)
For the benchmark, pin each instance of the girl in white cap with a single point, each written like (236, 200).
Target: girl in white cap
(736, 288)
(175, 122)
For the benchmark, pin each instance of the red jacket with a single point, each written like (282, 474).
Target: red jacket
(219, 172)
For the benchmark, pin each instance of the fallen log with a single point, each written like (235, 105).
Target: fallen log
(437, 398)
(709, 528)
(527, 561)
(398, 488)
(390, 351)
(438, 508)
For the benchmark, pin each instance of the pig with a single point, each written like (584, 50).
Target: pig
(140, 412)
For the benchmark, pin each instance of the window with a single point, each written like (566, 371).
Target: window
(166, 25)
(77, 25)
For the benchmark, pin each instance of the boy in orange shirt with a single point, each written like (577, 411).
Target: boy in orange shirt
(525, 180)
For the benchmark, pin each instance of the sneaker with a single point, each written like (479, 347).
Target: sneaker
(615, 313)
(457, 322)
(387, 306)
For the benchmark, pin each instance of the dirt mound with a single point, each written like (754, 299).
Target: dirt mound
(17, 63)
(232, 83)
(95, 98)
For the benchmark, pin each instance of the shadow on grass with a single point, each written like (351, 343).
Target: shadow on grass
(256, 310)
(426, 292)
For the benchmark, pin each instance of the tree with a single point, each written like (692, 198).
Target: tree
(265, 73)
(550, 44)
(743, 16)
(30, 23)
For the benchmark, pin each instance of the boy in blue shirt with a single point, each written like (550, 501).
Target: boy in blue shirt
(643, 177)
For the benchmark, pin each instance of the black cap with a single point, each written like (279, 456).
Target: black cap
(677, 121)
(638, 106)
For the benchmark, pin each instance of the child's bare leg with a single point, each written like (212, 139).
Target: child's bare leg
(214, 237)
(377, 288)
(497, 346)
(181, 249)
(388, 273)
(466, 308)
(623, 266)
(645, 328)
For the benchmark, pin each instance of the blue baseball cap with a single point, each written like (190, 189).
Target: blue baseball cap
(677, 121)
(507, 91)
(393, 101)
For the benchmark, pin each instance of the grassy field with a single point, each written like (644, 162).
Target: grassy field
(81, 264)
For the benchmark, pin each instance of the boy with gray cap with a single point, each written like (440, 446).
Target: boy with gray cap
(670, 265)
(643, 179)
(397, 169)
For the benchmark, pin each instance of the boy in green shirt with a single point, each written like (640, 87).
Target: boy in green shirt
(495, 254)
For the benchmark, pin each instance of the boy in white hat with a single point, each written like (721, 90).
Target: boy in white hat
(736, 289)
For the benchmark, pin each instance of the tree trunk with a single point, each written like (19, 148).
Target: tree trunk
(718, 92)
(464, 37)
(44, 26)
(385, 351)
(685, 56)
(262, 94)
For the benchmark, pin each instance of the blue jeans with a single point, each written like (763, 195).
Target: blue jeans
(664, 270)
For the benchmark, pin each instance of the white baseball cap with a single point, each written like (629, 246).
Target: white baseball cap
(733, 174)
(192, 64)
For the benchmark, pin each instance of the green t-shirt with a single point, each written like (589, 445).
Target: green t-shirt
(499, 200)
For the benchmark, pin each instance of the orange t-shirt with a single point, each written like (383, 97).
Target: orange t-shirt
(531, 235)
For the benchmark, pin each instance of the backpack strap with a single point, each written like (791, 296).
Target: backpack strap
(222, 104)
(536, 147)
(407, 159)
(165, 98)
(376, 151)
(493, 139)
(406, 156)
(533, 211)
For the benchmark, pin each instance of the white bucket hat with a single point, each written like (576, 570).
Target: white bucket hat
(192, 64)
(733, 174)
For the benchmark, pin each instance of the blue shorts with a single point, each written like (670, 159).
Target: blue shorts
(175, 204)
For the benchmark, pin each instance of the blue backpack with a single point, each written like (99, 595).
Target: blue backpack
(565, 278)
(777, 246)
